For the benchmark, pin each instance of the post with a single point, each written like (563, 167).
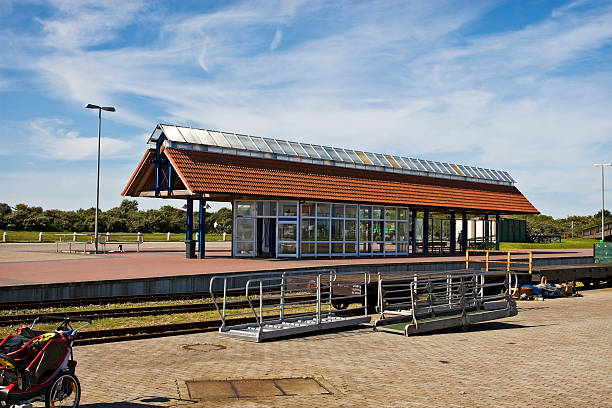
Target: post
(139, 237)
(486, 232)
(497, 234)
(40, 236)
(453, 231)
(168, 237)
(602, 204)
(4, 236)
(107, 236)
(464, 226)
(413, 228)
(202, 229)
(74, 236)
(425, 231)
(98, 181)
(189, 242)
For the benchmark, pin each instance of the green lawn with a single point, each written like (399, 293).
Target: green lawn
(32, 236)
(574, 243)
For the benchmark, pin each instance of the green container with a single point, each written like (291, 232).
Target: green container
(602, 252)
(512, 230)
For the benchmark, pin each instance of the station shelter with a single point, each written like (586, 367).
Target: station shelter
(302, 200)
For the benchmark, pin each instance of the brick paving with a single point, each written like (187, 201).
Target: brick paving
(555, 353)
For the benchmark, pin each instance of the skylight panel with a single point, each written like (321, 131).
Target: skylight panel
(373, 159)
(188, 135)
(311, 152)
(330, 151)
(286, 148)
(274, 146)
(261, 145)
(322, 154)
(401, 162)
(343, 155)
(467, 170)
(299, 149)
(233, 140)
(203, 137)
(496, 175)
(354, 156)
(247, 142)
(383, 160)
(219, 139)
(477, 173)
(420, 164)
(173, 134)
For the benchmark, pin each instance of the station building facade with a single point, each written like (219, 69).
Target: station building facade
(299, 200)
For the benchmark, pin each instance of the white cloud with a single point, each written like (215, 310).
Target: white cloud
(278, 36)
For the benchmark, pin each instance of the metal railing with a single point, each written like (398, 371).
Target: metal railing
(508, 259)
(430, 295)
(289, 300)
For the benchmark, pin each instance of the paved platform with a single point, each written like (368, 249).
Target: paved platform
(24, 264)
(555, 353)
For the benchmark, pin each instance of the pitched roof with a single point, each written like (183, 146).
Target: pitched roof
(213, 173)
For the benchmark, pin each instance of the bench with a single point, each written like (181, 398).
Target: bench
(109, 239)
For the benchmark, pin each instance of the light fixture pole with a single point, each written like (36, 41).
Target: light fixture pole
(602, 165)
(100, 109)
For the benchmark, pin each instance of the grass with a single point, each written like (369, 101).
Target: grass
(32, 236)
(569, 243)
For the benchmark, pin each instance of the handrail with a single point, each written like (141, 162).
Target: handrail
(508, 261)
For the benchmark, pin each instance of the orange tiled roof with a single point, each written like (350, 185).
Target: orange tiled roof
(218, 173)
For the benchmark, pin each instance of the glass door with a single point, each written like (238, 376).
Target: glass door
(287, 229)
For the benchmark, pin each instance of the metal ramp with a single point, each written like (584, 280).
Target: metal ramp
(423, 302)
(289, 303)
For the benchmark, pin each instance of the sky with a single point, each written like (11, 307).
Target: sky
(521, 86)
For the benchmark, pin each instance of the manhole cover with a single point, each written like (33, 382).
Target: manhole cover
(254, 388)
(203, 347)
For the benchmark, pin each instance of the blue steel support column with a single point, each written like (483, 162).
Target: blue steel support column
(426, 231)
(453, 230)
(202, 229)
(497, 234)
(464, 231)
(413, 227)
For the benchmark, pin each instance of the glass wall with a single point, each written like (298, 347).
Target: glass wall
(321, 229)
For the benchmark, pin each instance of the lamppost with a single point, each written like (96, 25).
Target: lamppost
(602, 165)
(100, 109)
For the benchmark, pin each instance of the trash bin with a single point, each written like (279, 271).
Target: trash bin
(190, 248)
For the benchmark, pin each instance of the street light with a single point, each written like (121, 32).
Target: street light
(100, 109)
(602, 165)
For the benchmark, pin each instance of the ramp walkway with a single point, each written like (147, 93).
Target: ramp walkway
(289, 303)
(418, 303)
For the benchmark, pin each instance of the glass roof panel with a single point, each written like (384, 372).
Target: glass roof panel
(311, 152)
(321, 152)
(261, 145)
(233, 140)
(274, 146)
(172, 133)
(345, 157)
(218, 138)
(203, 136)
(441, 168)
(298, 149)
(467, 171)
(332, 153)
(401, 162)
(373, 159)
(286, 148)
(383, 160)
(354, 156)
(420, 165)
(247, 142)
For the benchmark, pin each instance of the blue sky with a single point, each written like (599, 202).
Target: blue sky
(522, 86)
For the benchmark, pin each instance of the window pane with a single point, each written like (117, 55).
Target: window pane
(390, 231)
(365, 247)
(350, 228)
(308, 248)
(337, 230)
(308, 210)
(378, 247)
(323, 248)
(287, 248)
(337, 248)
(402, 247)
(244, 227)
(365, 231)
(287, 232)
(365, 212)
(402, 213)
(402, 231)
(288, 209)
(338, 210)
(390, 213)
(244, 248)
(377, 230)
(350, 247)
(389, 247)
(308, 229)
(351, 211)
(266, 208)
(378, 213)
(244, 209)
(322, 230)
(323, 210)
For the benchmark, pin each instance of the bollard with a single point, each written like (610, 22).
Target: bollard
(197, 236)
(40, 235)
(74, 236)
(107, 236)
(139, 237)
(224, 236)
(168, 237)
(4, 236)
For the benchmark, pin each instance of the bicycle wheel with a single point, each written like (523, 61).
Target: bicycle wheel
(65, 391)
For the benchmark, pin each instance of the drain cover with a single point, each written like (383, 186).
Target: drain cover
(203, 347)
(254, 388)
